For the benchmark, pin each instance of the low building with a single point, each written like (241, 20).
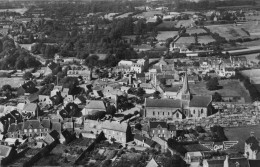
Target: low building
(120, 132)
(159, 129)
(27, 88)
(93, 106)
(7, 155)
(252, 148)
(144, 141)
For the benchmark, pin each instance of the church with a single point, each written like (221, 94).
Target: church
(185, 105)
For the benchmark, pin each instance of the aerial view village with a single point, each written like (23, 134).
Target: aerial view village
(130, 83)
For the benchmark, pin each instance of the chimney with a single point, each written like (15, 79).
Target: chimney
(130, 79)
(226, 162)
(116, 98)
(73, 125)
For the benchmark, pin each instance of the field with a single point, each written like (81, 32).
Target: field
(20, 10)
(195, 31)
(166, 25)
(240, 134)
(206, 39)
(163, 35)
(252, 58)
(251, 73)
(253, 27)
(185, 40)
(230, 32)
(230, 88)
(251, 43)
(124, 15)
(14, 82)
(185, 23)
(148, 14)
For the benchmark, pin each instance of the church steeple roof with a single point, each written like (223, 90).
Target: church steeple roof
(185, 87)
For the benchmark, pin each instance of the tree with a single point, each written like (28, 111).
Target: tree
(199, 129)
(156, 95)
(27, 75)
(111, 110)
(196, 64)
(72, 109)
(219, 133)
(212, 84)
(70, 82)
(6, 87)
(138, 126)
(48, 79)
(140, 92)
(163, 81)
(20, 64)
(216, 97)
(46, 89)
(92, 61)
(258, 57)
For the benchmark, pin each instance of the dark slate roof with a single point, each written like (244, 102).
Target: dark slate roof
(52, 65)
(54, 134)
(46, 123)
(165, 76)
(243, 162)
(32, 124)
(195, 147)
(30, 107)
(138, 75)
(56, 126)
(216, 163)
(254, 163)
(5, 150)
(156, 124)
(172, 127)
(166, 103)
(33, 97)
(175, 88)
(82, 99)
(255, 144)
(146, 140)
(200, 101)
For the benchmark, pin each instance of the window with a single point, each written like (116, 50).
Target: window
(168, 113)
(153, 113)
(25, 130)
(162, 131)
(177, 115)
(153, 131)
(158, 113)
(201, 111)
(163, 113)
(35, 130)
(159, 131)
(30, 130)
(193, 111)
